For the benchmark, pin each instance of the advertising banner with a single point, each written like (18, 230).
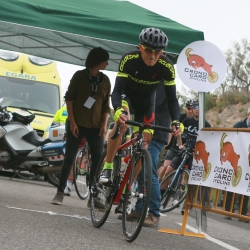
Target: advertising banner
(221, 160)
(201, 66)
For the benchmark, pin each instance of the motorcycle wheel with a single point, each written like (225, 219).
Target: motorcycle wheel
(53, 178)
(26, 175)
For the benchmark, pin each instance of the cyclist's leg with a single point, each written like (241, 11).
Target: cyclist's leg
(154, 149)
(113, 144)
(173, 165)
(168, 158)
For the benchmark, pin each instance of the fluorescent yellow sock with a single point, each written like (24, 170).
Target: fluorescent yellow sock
(124, 190)
(108, 165)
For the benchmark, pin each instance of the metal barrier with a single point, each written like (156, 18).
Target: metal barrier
(206, 198)
(196, 198)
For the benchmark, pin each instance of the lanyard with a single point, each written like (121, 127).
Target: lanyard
(94, 83)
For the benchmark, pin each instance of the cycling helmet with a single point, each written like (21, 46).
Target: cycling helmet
(188, 103)
(153, 38)
(195, 102)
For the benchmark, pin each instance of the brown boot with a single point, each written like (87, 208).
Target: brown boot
(151, 221)
(133, 216)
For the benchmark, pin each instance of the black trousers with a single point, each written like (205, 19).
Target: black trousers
(96, 148)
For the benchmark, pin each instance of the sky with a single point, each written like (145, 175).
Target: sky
(222, 21)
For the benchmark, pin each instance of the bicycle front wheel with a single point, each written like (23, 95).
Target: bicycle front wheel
(81, 173)
(100, 201)
(173, 195)
(136, 197)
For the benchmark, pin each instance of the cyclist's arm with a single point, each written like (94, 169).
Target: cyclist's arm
(116, 98)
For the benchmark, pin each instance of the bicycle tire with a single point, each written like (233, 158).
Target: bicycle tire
(169, 194)
(98, 217)
(81, 175)
(25, 175)
(131, 229)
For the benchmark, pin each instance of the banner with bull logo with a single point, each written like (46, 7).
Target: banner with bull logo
(222, 161)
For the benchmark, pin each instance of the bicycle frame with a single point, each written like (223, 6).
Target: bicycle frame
(177, 174)
(117, 198)
(136, 142)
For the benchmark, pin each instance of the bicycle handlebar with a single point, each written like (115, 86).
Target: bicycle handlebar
(140, 125)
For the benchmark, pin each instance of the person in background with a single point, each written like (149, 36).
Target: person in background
(189, 137)
(188, 111)
(87, 100)
(61, 116)
(170, 153)
(241, 124)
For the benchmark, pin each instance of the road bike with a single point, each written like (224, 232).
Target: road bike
(174, 186)
(81, 170)
(120, 193)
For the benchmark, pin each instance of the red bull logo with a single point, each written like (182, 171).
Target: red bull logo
(227, 153)
(197, 62)
(200, 153)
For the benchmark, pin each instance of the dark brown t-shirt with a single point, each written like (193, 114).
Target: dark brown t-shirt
(80, 90)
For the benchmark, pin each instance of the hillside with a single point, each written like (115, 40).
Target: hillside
(229, 115)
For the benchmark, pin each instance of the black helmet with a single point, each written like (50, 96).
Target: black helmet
(195, 102)
(153, 38)
(188, 103)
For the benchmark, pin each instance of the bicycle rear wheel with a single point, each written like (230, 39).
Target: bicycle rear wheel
(173, 195)
(132, 226)
(100, 202)
(81, 173)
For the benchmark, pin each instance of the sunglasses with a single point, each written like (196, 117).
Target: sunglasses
(196, 107)
(150, 51)
(189, 108)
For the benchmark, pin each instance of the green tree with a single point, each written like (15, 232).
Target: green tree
(238, 71)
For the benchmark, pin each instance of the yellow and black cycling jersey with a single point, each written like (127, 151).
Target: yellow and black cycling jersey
(139, 82)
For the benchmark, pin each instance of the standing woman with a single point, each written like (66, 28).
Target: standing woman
(87, 100)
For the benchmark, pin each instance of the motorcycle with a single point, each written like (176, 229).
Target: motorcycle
(22, 150)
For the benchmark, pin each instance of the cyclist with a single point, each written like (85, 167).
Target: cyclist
(139, 74)
(189, 136)
(170, 153)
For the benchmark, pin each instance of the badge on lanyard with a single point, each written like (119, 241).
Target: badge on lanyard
(94, 86)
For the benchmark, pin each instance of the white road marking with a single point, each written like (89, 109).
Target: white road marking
(216, 241)
(53, 213)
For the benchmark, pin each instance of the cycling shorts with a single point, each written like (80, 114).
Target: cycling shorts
(177, 161)
(169, 155)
